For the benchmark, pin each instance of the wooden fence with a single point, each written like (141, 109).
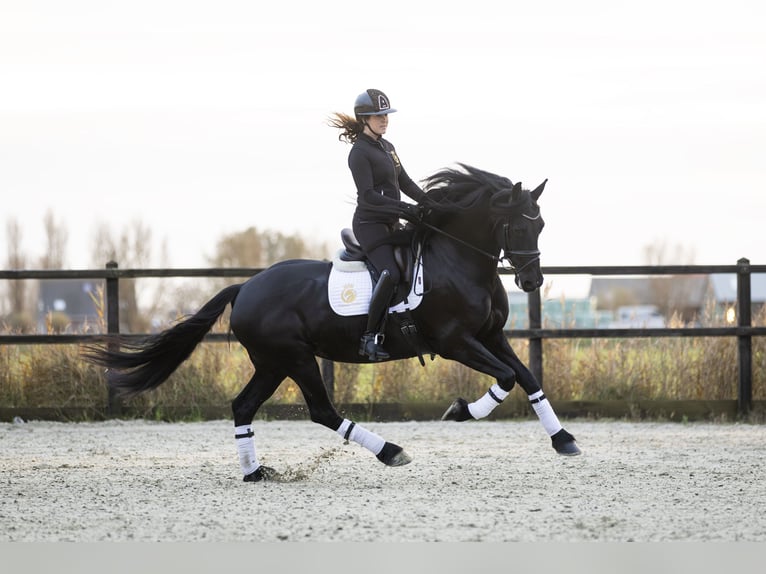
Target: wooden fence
(743, 330)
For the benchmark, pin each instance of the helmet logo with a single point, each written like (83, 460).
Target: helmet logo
(383, 102)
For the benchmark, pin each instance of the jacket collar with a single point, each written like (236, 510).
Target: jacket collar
(364, 137)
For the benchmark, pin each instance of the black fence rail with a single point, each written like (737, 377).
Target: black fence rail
(744, 331)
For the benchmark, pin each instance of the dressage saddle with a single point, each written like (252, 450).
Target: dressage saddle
(405, 260)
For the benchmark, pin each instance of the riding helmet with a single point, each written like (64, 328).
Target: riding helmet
(372, 103)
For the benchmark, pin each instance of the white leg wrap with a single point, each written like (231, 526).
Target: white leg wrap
(248, 460)
(545, 413)
(360, 435)
(487, 403)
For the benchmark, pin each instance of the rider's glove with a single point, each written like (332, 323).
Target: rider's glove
(412, 211)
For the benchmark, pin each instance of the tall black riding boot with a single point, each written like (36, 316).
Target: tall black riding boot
(371, 344)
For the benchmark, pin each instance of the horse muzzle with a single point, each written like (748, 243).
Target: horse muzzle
(528, 282)
(528, 276)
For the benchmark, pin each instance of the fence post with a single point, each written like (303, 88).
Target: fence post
(534, 305)
(114, 404)
(745, 342)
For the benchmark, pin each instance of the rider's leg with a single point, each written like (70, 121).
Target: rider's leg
(372, 340)
(373, 237)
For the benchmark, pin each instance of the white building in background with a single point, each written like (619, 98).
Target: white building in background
(645, 301)
(72, 301)
(638, 317)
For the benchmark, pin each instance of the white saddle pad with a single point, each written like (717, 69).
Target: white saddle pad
(350, 288)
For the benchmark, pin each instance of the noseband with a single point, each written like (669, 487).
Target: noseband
(507, 252)
(529, 256)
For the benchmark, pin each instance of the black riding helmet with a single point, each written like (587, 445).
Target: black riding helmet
(372, 103)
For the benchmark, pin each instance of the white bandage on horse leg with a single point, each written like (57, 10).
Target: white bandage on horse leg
(360, 435)
(487, 403)
(545, 413)
(248, 460)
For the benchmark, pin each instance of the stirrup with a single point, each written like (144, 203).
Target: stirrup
(371, 347)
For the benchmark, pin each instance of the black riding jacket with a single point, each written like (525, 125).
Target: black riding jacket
(379, 178)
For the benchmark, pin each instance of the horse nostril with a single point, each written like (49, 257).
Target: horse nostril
(528, 285)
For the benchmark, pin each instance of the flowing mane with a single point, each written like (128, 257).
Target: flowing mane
(467, 188)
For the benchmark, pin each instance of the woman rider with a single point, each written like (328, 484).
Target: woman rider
(380, 180)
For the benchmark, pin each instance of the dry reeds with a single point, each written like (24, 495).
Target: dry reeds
(680, 368)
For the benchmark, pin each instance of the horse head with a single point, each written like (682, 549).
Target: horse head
(517, 228)
(478, 197)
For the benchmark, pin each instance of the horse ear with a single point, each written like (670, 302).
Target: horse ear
(516, 190)
(538, 190)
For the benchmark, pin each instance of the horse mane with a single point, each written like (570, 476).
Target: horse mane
(468, 187)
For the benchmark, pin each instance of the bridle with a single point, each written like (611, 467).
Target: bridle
(532, 254)
(507, 253)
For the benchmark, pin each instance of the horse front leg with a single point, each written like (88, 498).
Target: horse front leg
(305, 372)
(563, 442)
(507, 372)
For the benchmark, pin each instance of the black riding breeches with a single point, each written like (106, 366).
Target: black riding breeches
(382, 256)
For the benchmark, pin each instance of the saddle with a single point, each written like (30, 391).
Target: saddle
(403, 254)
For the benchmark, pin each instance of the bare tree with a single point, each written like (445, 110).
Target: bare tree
(279, 247)
(670, 293)
(132, 249)
(56, 236)
(253, 248)
(19, 318)
(240, 249)
(660, 253)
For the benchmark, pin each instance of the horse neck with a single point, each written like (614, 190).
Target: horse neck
(466, 243)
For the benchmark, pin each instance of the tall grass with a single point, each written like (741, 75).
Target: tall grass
(49, 376)
(634, 369)
(574, 369)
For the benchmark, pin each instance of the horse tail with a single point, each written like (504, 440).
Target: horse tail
(146, 364)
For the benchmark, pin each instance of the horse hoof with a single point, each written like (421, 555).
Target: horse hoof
(564, 444)
(458, 411)
(393, 455)
(569, 449)
(260, 473)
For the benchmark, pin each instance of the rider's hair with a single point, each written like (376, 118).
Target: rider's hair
(350, 127)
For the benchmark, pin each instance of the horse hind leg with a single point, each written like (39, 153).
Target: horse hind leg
(261, 386)
(386, 452)
(307, 376)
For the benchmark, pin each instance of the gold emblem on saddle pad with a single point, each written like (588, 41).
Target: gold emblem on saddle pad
(348, 295)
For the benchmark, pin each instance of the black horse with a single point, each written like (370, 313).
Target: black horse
(470, 221)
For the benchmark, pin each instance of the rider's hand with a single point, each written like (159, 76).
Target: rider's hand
(411, 211)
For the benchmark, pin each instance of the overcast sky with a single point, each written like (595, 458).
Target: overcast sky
(204, 118)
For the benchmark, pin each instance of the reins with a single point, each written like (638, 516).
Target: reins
(495, 258)
(533, 254)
